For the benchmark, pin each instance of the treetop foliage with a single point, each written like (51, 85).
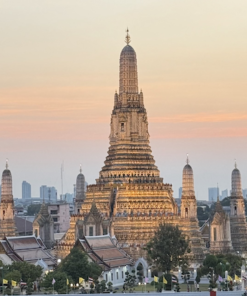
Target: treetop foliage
(167, 247)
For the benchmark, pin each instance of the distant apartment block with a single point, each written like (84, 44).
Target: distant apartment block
(213, 192)
(26, 190)
(48, 193)
(245, 193)
(60, 214)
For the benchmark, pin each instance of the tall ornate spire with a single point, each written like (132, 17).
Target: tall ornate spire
(236, 182)
(127, 38)
(188, 180)
(80, 169)
(7, 164)
(128, 82)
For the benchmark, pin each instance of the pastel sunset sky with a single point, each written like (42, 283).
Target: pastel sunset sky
(59, 63)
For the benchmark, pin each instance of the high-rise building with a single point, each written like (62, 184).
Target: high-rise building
(48, 193)
(213, 193)
(245, 193)
(224, 194)
(0, 190)
(26, 190)
(180, 192)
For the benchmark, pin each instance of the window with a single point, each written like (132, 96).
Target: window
(91, 231)
(36, 232)
(54, 219)
(186, 212)
(122, 274)
(235, 210)
(215, 234)
(122, 127)
(104, 231)
(112, 276)
(117, 275)
(106, 277)
(53, 212)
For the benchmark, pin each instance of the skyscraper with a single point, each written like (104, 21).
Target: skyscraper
(224, 194)
(245, 193)
(180, 192)
(213, 193)
(26, 190)
(48, 193)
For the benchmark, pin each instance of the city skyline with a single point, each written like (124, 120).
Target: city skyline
(57, 94)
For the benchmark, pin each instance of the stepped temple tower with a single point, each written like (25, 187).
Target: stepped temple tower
(130, 196)
(237, 216)
(7, 223)
(80, 192)
(188, 221)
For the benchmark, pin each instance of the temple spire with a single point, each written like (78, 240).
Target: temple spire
(80, 169)
(187, 159)
(7, 163)
(127, 38)
(235, 164)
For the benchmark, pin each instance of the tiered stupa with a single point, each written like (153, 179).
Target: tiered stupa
(129, 194)
(80, 192)
(237, 216)
(189, 222)
(7, 223)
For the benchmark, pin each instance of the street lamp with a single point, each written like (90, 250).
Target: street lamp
(59, 261)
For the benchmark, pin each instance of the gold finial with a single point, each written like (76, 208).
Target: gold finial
(7, 163)
(187, 159)
(127, 38)
(80, 169)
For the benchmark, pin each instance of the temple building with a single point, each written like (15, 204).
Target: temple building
(237, 216)
(43, 226)
(130, 196)
(7, 222)
(220, 231)
(80, 192)
(105, 251)
(26, 248)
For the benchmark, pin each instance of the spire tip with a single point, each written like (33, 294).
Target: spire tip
(7, 163)
(127, 38)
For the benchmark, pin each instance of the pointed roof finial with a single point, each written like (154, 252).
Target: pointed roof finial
(7, 163)
(80, 169)
(218, 198)
(187, 159)
(235, 163)
(127, 38)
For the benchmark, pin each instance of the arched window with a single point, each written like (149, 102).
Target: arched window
(235, 210)
(186, 212)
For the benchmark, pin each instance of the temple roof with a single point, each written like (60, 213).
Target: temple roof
(43, 216)
(27, 248)
(103, 250)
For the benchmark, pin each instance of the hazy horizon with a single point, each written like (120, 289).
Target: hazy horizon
(59, 67)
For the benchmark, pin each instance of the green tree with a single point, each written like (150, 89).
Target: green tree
(129, 281)
(33, 209)
(140, 272)
(167, 247)
(76, 265)
(27, 271)
(14, 275)
(60, 285)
